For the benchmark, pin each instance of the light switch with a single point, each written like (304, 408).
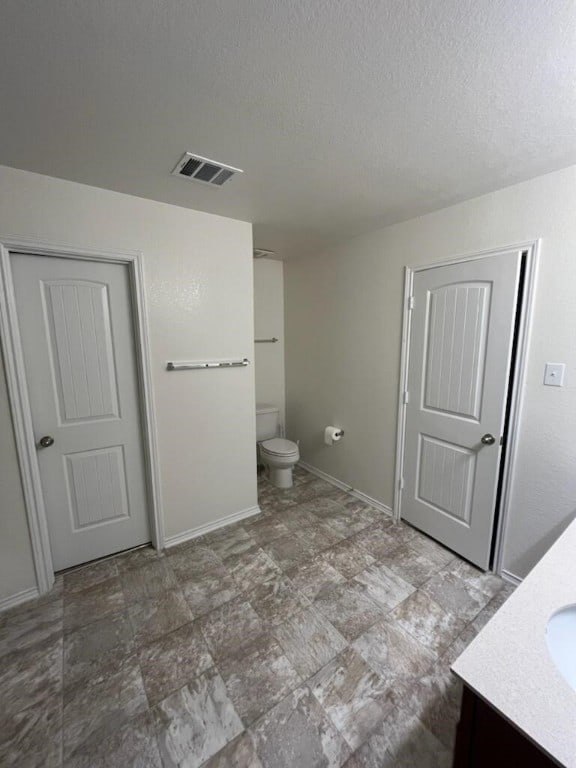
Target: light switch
(554, 374)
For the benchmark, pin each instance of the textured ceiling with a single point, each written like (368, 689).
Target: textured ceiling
(344, 114)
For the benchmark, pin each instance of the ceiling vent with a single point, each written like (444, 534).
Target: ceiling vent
(203, 170)
(262, 253)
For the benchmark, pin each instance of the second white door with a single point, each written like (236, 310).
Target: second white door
(460, 352)
(75, 321)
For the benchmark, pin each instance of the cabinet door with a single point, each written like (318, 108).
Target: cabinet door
(485, 740)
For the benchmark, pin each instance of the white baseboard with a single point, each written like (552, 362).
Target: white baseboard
(194, 533)
(325, 476)
(510, 577)
(345, 487)
(18, 598)
(380, 506)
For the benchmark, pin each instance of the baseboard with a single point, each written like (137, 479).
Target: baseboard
(345, 487)
(372, 502)
(194, 533)
(510, 577)
(325, 476)
(20, 597)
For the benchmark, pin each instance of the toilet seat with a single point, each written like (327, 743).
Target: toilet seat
(278, 446)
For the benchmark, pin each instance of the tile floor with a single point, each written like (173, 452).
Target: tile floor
(318, 634)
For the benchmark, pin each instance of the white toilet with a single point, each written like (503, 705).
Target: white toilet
(276, 453)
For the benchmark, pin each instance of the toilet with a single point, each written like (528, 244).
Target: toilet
(276, 453)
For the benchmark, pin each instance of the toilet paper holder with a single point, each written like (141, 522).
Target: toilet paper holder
(333, 435)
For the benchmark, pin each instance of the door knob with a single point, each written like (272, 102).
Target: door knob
(46, 441)
(488, 439)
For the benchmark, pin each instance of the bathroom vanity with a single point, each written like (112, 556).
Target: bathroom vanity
(519, 708)
(485, 739)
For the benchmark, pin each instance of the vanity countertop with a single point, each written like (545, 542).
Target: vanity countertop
(508, 664)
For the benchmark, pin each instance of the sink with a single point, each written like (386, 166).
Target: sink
(561, 641)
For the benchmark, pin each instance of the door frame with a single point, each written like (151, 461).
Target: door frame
(20, 405)
(517, 382)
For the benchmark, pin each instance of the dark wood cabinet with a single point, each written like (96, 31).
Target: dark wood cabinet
(484, 739)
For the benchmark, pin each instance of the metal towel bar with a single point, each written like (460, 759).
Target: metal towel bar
(273, 340)
(208, 364)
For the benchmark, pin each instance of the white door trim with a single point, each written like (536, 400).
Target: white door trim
(20, 406)
(532, 249)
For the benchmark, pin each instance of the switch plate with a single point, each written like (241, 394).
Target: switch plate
(554, 374)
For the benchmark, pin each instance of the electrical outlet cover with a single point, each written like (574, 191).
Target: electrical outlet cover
(554, 374)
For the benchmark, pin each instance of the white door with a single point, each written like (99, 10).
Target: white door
(78, 343)
(461, 340)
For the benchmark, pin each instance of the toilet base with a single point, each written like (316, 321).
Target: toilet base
(281, 477)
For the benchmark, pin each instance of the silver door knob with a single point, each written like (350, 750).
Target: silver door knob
(488, 439)
(46, 441)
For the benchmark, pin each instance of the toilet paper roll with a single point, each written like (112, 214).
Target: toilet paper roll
(333, 435)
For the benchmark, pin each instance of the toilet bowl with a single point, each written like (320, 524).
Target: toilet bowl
(277, 454)
(280, 456)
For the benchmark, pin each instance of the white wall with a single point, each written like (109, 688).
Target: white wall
(198, 281)
(343, 326)
(269, 322)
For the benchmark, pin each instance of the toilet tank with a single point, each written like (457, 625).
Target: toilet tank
(266, 421)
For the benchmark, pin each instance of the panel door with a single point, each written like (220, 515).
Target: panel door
(76, 327)
(460, 353)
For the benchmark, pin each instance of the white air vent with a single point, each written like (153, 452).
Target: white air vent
(262, 253)
(203, 170)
